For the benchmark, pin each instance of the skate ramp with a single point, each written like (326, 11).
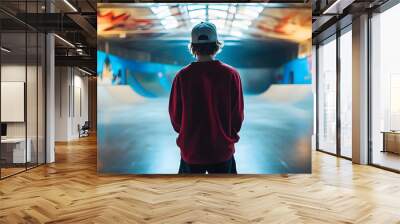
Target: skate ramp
(135, 135)
(287, 93)
(110, 95)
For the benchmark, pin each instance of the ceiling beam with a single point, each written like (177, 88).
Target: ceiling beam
(84, 24)
(78, 61)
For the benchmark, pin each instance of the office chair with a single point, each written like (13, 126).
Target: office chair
(84, 130)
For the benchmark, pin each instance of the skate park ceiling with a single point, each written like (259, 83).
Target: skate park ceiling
(234, 21)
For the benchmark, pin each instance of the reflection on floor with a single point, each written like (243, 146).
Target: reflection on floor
(11, 169)
(138, 138)
(387, 159)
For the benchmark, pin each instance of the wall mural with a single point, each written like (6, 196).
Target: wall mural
(139, 63)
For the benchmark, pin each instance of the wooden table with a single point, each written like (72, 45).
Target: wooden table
(391, 141)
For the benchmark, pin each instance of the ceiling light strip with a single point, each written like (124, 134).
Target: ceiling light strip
(84, 71)
(64, 40)
(5, 50)
(70, 5)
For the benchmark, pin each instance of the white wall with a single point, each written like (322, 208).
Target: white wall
(80, 109)
(62, 82)
(16, 72)
(71, 94)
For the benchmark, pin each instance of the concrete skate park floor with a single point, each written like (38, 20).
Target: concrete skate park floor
(138, 138)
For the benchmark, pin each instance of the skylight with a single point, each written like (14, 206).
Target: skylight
(159, 9)
(198, 14)
(214, 14)
(170, 22)
(244, 24)
(220, 24)
(222, 7)
(195, 6)
(230, 19)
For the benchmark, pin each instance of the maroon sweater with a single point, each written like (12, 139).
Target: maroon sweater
(206, 109)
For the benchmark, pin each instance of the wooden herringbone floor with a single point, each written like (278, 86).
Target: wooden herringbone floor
(70, 191)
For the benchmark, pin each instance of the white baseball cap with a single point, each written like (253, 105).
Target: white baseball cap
(204, 32)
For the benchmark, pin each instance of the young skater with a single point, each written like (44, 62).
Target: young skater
(206, 107)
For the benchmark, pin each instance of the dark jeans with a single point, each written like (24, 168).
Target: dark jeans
(228, 167)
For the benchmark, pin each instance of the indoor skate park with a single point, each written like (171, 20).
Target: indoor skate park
(139, 54)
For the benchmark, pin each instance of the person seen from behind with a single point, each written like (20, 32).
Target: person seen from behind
(206, 107)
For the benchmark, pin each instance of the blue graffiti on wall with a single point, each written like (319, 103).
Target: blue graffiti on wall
(136, 74)
(297, 71)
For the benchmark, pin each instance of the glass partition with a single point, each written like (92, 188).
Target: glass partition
(31, 100)
(314, 87)
(14, 153)
(346, 93)
(327, 96)
(385, 89)
(22, 92)
(41, 96)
